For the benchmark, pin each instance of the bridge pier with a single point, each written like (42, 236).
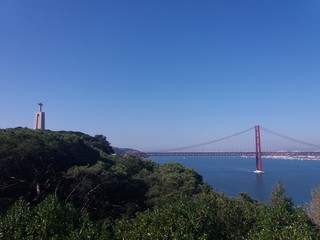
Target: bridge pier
(258, 150)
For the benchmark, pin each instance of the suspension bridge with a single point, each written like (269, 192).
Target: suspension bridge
(255, 142)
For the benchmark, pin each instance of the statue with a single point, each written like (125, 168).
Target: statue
(40, 105)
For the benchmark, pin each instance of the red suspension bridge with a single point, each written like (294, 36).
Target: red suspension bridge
(248, 143)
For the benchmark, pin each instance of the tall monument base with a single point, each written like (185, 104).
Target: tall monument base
(39, 120)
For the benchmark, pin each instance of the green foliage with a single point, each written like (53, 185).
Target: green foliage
(278, 196)
(131, 165)
(246, 198)
(215, 216)
(184, 219)
(147, 200)
(48, 220)
(236, 217)
(283, 222)
(98, 141)
(204, 216)
(14, 225)
(128, 185)
(104, 193)
(313, 207)
(32, 162)
(170, 180)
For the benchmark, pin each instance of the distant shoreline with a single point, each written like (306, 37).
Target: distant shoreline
(299, 158)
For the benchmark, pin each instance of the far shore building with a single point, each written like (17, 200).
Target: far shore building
(39, 121)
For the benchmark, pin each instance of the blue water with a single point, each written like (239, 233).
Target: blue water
(232, 175)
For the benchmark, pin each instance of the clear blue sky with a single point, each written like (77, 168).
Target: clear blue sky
(158, 74)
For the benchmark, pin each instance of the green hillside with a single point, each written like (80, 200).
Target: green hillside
(69, 185)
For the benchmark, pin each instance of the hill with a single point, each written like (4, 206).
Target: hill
(69, 185)
(80, 169)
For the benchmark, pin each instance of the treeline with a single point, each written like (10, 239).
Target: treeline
(68, 185)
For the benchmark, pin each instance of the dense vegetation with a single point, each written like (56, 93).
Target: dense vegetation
(68, 185)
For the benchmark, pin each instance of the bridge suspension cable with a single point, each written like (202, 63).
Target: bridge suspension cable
(283, 151)
(207, 143)
(290, 138)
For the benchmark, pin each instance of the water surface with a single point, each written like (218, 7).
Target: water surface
(232, 175)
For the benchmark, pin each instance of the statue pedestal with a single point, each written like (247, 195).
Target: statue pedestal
(39, 120)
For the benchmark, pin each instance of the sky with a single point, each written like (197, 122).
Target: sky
(162, 74)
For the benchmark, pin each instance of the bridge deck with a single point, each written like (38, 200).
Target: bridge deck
(249, 154)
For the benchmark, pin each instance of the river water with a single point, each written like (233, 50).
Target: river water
(232, 175)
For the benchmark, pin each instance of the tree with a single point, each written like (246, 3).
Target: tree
(50, 219)
(184, 219)
(278, 196)
(283, 222)
(313, 207)
(107, 190)
(170, 180)
(203, 216)
(32, 162)
(100, 142)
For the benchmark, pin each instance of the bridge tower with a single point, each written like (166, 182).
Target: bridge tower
(258, 150)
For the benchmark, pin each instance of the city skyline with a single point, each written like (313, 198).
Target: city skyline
(162, 74)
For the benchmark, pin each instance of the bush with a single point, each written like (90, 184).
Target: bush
(48, 220)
